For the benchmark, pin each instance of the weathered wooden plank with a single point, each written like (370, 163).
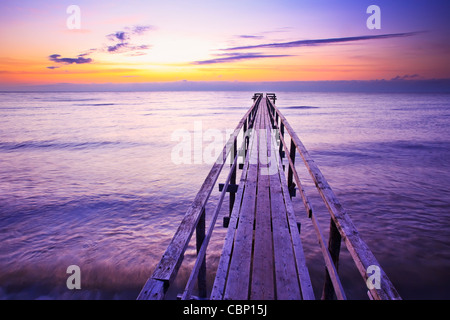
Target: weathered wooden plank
(302, 270)
(218, 289)
(224, 262)
(219, 285)
(286, 277)
(238, 282)
(152, 290)
(331, 268)
(262, 286)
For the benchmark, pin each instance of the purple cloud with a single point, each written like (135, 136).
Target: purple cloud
(80, 60)
(138, 29)
(406, 77)
(315, 42)
(122, 39)
(117, 47)
(246, 36)
(119, 35)
(239, 56)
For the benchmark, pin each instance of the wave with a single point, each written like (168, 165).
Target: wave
(64, 100)
(49, 144)
(94, 104)
(301, 107)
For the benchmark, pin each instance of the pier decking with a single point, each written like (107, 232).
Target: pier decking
(262, 256)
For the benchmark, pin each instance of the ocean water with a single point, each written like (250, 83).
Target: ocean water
(90, 179)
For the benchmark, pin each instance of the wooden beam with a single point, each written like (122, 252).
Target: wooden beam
(200, 240)
(232, 187)
(334, 247)
(153, 290)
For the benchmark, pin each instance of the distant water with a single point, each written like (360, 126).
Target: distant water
(88, 179)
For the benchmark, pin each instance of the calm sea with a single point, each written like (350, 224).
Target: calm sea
(89, 179)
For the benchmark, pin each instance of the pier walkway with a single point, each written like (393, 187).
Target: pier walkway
(262, 256)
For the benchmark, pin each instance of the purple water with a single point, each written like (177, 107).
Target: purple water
(88, 179)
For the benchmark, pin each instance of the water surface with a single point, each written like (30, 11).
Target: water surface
(88, 179)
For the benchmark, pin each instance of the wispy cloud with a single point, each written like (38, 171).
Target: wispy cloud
(222, 58)
(406, 77)
(248, 36)
(119, 35)
(141, 29)
(315, 42)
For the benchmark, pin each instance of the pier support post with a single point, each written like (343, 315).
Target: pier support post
(233, 175)
(334, 247)
(291, 185)
(200, 236)
(281, 137)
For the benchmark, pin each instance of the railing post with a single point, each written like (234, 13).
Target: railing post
(233, 175)
(291, 185)
(281, 137)
(200, 236)
(245, 135)
(334, 247)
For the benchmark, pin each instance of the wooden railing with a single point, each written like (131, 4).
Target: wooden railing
(341, 226)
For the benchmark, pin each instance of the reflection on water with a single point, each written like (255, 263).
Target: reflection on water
(87, 179)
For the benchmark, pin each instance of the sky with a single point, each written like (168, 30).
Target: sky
(145, 41)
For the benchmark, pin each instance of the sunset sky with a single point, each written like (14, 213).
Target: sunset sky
(164, 41)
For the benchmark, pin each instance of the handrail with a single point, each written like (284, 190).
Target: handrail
(331, 267)
(202, 252)
(358, 249)
(167, 269)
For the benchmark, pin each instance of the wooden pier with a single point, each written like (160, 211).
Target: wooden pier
(262, 256)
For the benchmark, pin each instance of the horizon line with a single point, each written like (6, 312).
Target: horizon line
(404, 83)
